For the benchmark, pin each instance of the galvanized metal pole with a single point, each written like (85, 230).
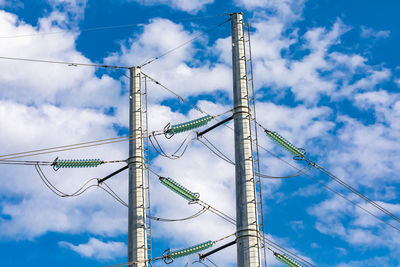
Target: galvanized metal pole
(137, 250)
(248, 242)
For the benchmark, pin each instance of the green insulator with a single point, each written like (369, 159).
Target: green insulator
(190, 250)
(190, 125)
(180, 190)
(284, 143)
(79, 163)
(287, 260)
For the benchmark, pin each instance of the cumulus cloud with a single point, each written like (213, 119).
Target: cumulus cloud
(61, 106)
(56, 84)
(179, 70)
(97, 249)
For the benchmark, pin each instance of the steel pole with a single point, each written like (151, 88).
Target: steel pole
(248, 242)
(137, 251)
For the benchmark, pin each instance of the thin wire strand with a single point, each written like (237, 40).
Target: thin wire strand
(294, 175)
(197, 214)
(153, 259)
(68, 149)
(73, 31)
(147, 174)
(64, 146)
(285, 251)
(223, 156)
(349, 187)
(63, 62)
(325, 186)
(58, 192)
(330, 189)
(258, 181)
(233, 221)
(181, 98)
(174, 155)
(110, 27)
(218, 153)
(206, 205)
(112, 193)
(29, 163)
(183, 44)
(353, 190)
(45, 163)
(225, 217)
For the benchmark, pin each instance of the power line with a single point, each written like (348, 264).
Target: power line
(233, 221)
(69, 147)
(110, 27)
(25, 162)
(215, 150)
(157, 147)
(197, 214)
(161, 257)
(183, 44)
(184, 100)
(60, 193)
(330, 189)
(63, 62)
(353, 190)
(172, 92)
(300, 170)
(69, 31)
(45, 163)
(344, 184)
(64, 146)
(298, 173)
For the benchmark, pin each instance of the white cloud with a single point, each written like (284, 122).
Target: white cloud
(287, 10)
(397, 81)
(369, 262)
(179, 70)
(303, 76)
(339, 218)
(97, 249)
(74, 9)
(55, 84)
(373, 78)
(60, 106)
(369, 32)
(13, 3)
(45, 127)
(190, 6)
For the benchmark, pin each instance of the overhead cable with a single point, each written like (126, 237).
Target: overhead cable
(175, 254)
(71, 147)
(215, 150)
(72, 31)
(301, 156)
(314, 179)
(60, 193)
(34, 152)
(327, 187)
(74, 64)
(183, 44)
(158, 148)
(109, 27)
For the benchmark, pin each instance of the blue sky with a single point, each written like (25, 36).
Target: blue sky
(326, 76)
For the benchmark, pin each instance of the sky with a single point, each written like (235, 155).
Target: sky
(326, 77)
